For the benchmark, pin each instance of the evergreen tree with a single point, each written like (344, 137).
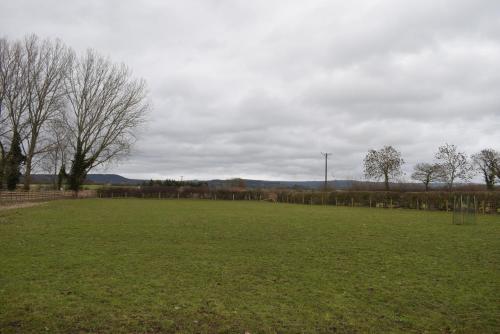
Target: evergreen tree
(13, 162)
(79, 169)
(61, 177)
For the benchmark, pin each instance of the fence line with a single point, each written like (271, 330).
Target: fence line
(488, 202)
(7, 197)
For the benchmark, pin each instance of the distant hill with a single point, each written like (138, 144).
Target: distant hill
(256, 184)
(115, 179)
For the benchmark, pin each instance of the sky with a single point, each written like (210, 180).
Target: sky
(258, 89)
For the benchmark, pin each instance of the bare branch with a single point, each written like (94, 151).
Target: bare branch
(385, 163)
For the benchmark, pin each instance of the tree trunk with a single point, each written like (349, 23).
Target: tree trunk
(61, 177)
(27, 174)
(2, 165)
(29, 160)
(386, 182)
(489, 180)
(490, 185)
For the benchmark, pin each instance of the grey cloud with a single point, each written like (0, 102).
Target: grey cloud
(259, 88)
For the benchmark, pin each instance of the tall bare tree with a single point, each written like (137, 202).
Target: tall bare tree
(4, 129)
(13, 74)
(56, 156)
(46, 66)
(487, 162)
(453, 165)
(385, 163)
(106, 105)
(426, 173)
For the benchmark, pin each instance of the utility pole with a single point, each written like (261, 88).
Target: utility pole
(326, 154)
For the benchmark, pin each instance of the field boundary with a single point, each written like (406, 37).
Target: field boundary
(12, 197)
(486, 202)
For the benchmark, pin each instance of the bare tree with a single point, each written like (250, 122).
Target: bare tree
(453, 165)
(105, 107)
(4, 73)
(487, 162)
(13, 74)
(47, 63)
(385, 163)
(55, 158)
(426, 173)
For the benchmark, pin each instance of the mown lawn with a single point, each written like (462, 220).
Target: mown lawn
(153, 266)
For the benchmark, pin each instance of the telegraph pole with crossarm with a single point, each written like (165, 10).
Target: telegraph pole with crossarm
(326, 154)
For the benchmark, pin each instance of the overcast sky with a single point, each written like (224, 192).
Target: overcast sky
(257, 89)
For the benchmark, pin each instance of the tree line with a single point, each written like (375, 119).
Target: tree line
(63, 112)
(449, 166)
(173, 183)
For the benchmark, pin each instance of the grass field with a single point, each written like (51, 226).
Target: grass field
(150, 266)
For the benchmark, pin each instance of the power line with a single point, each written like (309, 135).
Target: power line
(326, 154)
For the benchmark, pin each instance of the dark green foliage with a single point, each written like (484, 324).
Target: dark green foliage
(173, 183)
(62, 176)
(79, 170)
(13, 162)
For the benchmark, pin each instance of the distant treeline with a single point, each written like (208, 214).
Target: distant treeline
(173, 183)
(231, 183)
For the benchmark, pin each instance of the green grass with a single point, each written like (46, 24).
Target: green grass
(137, 266)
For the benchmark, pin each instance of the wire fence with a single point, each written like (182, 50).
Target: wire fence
(11, 197)
(486, 202)
(478, 202)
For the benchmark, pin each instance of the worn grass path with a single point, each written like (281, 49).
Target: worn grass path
(151, 266)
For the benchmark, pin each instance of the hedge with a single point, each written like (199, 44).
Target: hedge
(486, 202)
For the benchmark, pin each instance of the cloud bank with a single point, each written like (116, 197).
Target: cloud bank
(257, 89)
